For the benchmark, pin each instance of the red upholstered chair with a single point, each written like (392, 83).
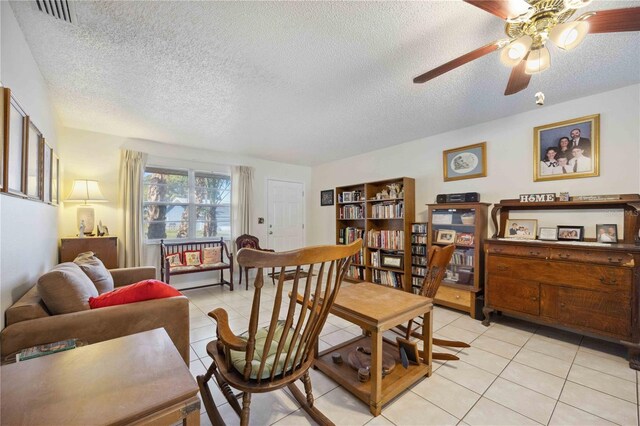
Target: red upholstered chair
(249, 241)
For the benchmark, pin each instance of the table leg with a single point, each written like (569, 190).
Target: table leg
(375, 405)
(427, 342)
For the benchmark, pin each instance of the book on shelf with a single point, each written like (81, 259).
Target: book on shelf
(388, 210)
(358, 258)
(463, 257)
(418, 239)
(416, 282)
(419, 260)
(419, 270)
(389, 240)
(421, 250)
(355, 272)
(349, 196)
(349, 234)
(352, 211)
(388, 278)
(46, 349)
(419, 228)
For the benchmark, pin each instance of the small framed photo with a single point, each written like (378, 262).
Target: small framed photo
(326, 197)
(548, 234)
(446, 236)
(410, 350)
(465, 239)
(523, 229)
(607, 233)
(570, 233)
(346, 197)
(466, 162)
(391, 260)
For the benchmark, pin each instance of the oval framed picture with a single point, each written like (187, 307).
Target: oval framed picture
(466, 162)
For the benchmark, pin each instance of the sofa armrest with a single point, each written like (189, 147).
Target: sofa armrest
(97, 325)
(126, 276)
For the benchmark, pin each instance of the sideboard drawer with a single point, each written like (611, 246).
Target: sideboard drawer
(513, 294)
(539, 252)
(614, 258)
(607, 279)
(526, 269)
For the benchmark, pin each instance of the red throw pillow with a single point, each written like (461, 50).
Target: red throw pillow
(138, 292)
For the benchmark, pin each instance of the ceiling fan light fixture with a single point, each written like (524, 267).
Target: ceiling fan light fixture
(512, 54)
(570, 34)
(576, 4)
(538, 61)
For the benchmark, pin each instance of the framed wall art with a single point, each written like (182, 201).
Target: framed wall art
(34, 162)
(326, 197)
(16, 135)
(55, 179)
(4, 137)
(567, 149)
(467, 162)
(47, 159)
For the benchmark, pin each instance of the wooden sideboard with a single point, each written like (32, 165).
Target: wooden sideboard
(105, 249)
(587, 288)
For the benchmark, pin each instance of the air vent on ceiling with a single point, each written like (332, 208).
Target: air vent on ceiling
(59, 9)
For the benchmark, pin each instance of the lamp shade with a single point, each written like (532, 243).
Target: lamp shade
(513, 53)
(538, 61)
(86, 190)
(570, 34)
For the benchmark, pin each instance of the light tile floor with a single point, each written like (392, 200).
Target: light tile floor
(515, 373)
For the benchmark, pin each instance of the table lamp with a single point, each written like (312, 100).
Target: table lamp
(83, 191)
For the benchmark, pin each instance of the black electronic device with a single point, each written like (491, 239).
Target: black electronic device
(461, 197)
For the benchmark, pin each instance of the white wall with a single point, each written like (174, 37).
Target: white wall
(28, 229)
(96, 156)
(510, 164)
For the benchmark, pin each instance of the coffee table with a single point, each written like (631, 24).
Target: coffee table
(134, 379)
(377, 308)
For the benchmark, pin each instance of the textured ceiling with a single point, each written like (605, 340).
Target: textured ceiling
(299, 82)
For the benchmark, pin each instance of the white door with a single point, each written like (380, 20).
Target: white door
(285, 217)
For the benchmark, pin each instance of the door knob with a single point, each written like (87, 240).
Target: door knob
(270, 232)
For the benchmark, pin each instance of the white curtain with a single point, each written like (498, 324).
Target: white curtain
(241, 202)
(132, 165)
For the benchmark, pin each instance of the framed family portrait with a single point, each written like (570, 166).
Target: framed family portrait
(570, 233)
(467, 162)
(326, 197)
(607, 233)
(567, 149)
(522, 229)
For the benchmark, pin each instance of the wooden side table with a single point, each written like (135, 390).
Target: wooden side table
(377, 308)
(136, 379)
(105, 249)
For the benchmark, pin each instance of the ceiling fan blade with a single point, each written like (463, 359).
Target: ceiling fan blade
(518, 80)
(461, 60)
(505, 9)
(615, 20)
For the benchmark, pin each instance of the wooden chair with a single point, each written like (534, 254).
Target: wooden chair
(268, 358)
(249, 241)
(437, 260)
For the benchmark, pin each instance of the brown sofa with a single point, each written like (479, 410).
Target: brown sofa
(29, 323)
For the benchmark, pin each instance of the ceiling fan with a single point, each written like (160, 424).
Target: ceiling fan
(530, 25)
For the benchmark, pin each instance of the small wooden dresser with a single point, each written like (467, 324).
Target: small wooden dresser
(105, 249)
(588, 288)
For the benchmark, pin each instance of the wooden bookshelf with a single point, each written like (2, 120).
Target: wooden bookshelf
(463, 283)
(418, 254)
(360, 214)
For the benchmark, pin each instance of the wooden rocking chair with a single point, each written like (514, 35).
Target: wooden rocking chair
(269, 358)
(437, 260)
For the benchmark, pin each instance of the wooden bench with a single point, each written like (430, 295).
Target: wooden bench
(167, 271)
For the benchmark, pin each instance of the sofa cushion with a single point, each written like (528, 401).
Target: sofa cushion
(138, 292)
(95, 270)
(66, 289)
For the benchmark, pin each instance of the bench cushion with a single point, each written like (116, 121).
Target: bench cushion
(199, 268)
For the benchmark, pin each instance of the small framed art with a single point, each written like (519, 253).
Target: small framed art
(326, 197)
(607, 233)
(464, 239)
(391, 260)
(570, 233)
(523, 229)
(446, 236)
(466, 162)
(548, 234)
(410, 351)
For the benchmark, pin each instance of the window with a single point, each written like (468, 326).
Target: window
(186, 204)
